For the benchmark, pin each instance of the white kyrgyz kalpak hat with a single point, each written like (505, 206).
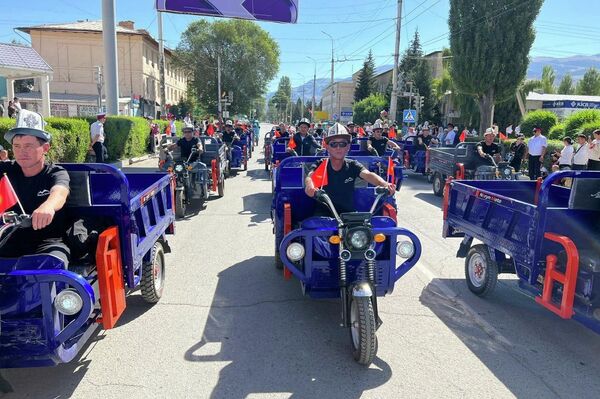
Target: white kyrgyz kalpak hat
(28, 124)
(337, 131)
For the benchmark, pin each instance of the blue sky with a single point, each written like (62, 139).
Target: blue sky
(356, 26)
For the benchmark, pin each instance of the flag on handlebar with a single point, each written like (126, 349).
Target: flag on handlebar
(292, 143)
(463, 136)
(8, 197)
(210, 130)
(319, 176)
(391, 174)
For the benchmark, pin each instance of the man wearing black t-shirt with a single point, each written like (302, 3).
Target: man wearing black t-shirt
(304, 144)
(341, 173)
(187, 143)
(379, 143)
(488, 147)
(41, 187)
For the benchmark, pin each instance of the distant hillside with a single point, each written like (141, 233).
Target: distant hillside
(575, 65)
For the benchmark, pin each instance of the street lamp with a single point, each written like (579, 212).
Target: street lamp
(331, 37)
(314, 89)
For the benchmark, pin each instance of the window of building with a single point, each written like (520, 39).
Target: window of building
(59, 110)
(87, 110)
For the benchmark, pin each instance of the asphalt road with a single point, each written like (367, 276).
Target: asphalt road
(229, 326)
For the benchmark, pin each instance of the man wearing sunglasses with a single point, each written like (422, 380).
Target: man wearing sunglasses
(341, 173)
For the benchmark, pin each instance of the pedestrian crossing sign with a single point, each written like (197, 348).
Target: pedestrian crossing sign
(409, 116)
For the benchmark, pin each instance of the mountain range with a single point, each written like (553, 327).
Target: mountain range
(575, 65)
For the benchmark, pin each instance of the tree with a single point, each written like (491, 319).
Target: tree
(249, 60)
(368, 109)
(589, 85)
(548, 77)
(366, 79)
(297, 110)
(281, 100)
(490, 61)
(566, 85)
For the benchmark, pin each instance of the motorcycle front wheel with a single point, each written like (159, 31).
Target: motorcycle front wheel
(180, 204)
(363, 330)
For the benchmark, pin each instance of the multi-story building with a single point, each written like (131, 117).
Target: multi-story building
(343, 98)
(75, 51)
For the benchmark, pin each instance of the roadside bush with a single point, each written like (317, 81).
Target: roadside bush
(544, 119)
(557, 132)
(368, 109)
(575, 122)
(589, 128)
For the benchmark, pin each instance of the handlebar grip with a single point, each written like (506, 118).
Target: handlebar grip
(26, 222)
(381, 190)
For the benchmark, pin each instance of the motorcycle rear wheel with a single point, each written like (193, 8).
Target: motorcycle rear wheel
(179, 204)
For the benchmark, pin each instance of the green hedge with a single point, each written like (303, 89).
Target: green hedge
(544, 119)
(557, 132)
(575, 122)
(70, 138)
(588, 128)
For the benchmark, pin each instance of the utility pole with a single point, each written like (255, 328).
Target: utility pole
(314, 106)
(109, 37)
(219, 104)
(394, 99)
(410, 97)
(161, 67)
(99, 85)
(332, 69)
(302, 113)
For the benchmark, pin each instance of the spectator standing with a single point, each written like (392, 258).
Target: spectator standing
(97, 138)
(12, 111)
(188, 120)
(537, 149)
(565, 161)
(1, 110)
(594, 153)
(173, 127)
(518, 149)
(450, 136)
(581, 154)
(17, 104)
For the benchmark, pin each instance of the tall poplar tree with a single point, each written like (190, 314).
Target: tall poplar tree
(490, 59)
(366, 79)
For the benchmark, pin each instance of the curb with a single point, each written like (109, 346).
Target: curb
(127, 162)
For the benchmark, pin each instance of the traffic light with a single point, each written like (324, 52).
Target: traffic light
(421, 102)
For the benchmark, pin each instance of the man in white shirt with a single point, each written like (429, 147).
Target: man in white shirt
(581, 155)
(97, 138)
(594, 153)
(449, 138)
(537, 149)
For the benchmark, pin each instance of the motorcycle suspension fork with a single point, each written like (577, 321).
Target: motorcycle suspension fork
(344, 294)
(373, 281)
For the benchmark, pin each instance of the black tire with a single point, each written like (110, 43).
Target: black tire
(438, 184)
(206, 191)
(179, 204)
(153, 275)
(278, 262)
(363, 336)
(221, 188)
(266, 166)
(481, 271)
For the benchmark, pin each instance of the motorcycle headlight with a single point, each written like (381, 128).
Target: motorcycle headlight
(507, 172)
(359, 239)
(405, 249)
(68, 302)
(179, 168)
(295, 251)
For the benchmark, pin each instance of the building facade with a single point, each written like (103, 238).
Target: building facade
(341, 100)
(75, 51)
(562, 105)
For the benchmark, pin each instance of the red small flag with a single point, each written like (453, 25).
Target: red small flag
(502, 136)
(392, 133)
(8, 197)
(210, 130)
(277, 134)
(463, 136)
(292, 144)
(319, 176)
(361, 132)
(391, 175)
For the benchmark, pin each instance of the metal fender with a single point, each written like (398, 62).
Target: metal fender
(362, 290)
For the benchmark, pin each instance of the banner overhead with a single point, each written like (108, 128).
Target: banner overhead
(259, 10)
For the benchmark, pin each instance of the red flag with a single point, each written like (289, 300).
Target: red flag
(210, 130)
(292, 144)
(463, 136)
(319, 176)
(502, 136)
(277, 134)
(390, 171)
(8, 197)
(361, 132)
(392, 133)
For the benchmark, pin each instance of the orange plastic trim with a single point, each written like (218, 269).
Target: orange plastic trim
(427, 160)
(460, 173)
(214, 174)
(110, 277)
(287, 227)
(390, 211)
(538, 187)
(567, 279)
(446, 197)
(406, 159)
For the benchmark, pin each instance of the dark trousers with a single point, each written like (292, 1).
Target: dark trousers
(593, 165)
(534, 167)
(579, 167)
(16, 247)
(100, 151)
